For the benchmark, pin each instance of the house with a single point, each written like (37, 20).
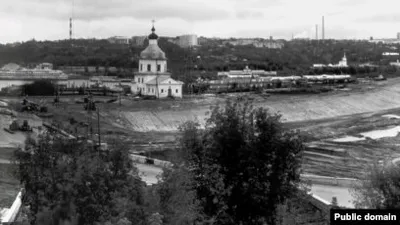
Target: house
(153, 79)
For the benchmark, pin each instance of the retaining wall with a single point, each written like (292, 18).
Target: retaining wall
(155, 162)
(11, 215)
(334, 181)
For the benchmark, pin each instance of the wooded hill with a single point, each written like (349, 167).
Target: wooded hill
(296, 57)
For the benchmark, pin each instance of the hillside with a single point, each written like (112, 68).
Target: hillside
(295, 57)
(369, 98)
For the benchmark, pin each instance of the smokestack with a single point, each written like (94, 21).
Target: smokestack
(316, 31)
(323, 28)
(70, 28)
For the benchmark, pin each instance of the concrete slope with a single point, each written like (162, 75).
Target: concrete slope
(292, 107)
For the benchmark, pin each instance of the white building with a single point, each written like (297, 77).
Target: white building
(138, 40)
(390, 53)
(118, 40)
(188, 40)
(342, 63)
(153, 78)
(397, 64)
(246, 73)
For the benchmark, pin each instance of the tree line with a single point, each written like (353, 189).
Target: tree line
(242, 168)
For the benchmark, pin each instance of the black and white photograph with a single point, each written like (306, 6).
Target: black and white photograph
(199, 112)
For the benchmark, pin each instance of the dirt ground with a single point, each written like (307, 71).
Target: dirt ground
(320, 117)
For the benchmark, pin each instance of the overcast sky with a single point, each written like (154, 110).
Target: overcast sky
(22, 20)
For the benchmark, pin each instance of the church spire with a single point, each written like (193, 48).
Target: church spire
(153, 35)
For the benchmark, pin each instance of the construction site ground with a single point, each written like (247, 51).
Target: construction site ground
(152, 125)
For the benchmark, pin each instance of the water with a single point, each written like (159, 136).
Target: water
(375, 134)
(349, 139)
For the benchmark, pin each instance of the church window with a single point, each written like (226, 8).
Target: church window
(158, 68)
(148, 67)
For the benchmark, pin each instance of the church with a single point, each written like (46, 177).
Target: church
(152, 78)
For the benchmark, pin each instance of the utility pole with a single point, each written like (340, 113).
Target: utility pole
(158, 95)
(120, 99)
(98, 125)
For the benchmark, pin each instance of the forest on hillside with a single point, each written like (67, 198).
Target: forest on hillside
(295, 57)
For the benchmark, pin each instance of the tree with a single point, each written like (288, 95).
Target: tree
(380, 189)
(244, 163)
(71, 182)
(177, 197)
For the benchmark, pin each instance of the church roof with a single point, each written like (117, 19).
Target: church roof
(153, 35)
(163, 80)
(153, 51)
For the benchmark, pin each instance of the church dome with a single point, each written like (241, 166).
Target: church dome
(153, 51)
(153, 36)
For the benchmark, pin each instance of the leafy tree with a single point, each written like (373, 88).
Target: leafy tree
(380, 189)
(71, 182)
(244, 163)
(177, 196)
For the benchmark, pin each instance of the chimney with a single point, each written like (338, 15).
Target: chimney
(70, 28)
(323, 28)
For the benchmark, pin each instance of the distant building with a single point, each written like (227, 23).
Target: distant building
(13, 71)
(342, 63)
(43, 66)
(138, 40)
(153, 78)
(390, 53)
(246, 73)
(397, 64)
(118, 40)
(112, 83)
(188, 40)
(258, 43)
(386, 40)
(367, 65)
(202, 40)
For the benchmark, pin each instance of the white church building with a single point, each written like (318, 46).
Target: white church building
(152, 79)
(342, 63)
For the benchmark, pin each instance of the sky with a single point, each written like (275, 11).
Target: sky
(22, 20)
